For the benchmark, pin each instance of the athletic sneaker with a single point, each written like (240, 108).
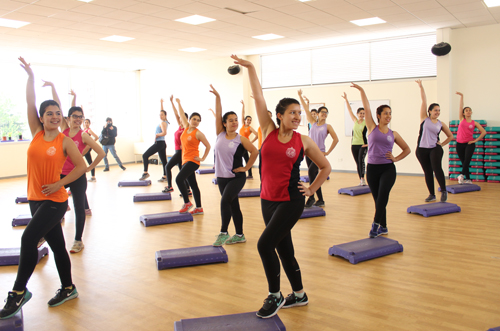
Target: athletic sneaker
(310, 202)
(444, 196)
(92, 179)
(106, 169)
(430, 198)
(271, 306)
(294, 301)
(362, 182)
(162, 180)
(168, 189)
(88, 212)
(468, 181)
(14, 303)
(221, 239)
(123, 168)
(381, 230)
(185, 207)
(319, 203)
(374, 231)
(236, 239)
(461, 179)
(197, 211)
(144, 176)
(77, 246)
(63, 295)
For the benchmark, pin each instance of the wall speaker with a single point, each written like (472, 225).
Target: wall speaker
(441, 49)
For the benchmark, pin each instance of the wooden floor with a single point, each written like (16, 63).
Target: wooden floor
(447, 278)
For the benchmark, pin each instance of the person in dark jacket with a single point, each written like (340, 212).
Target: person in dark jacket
(108, 139)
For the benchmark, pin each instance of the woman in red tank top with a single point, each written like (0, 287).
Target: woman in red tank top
(47, 199)
(282, 195)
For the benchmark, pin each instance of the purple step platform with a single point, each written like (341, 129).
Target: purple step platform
(22, 199)
(249, 192)
(313, 212)
(366, 249)
(15, 323)
(205, 171)
(214, 180)
(355, 190)
(461, 188)
(433, 209)
(10, 256)
(165, 218)
(236, 322)
(495, 329)
(182, 257)
(152, 196)
(134, 182)
(20, 220)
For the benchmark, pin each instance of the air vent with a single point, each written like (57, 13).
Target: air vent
(239, 11)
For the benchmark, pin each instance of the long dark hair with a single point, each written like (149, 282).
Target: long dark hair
(283, 105)
(380, 109)
(45, 104)
(226, 115)
(431, 107)
(73, 109)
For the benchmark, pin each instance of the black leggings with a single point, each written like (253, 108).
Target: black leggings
(246, 157)
(187, 173)
(465, 152)
(381, 179)
(159, 147)
(359, 154)
(79, 193)
(229, 202)
(431, 161)
(280, 217)
(176, 159)
(312, 171)
(45, 223)
(88, 157)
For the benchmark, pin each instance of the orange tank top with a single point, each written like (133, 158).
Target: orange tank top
(190, 146)
(259, 135)
(45, 163)
(245, 132)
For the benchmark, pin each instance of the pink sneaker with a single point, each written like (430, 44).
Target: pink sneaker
(185, 208)
(197, 211)
(88, 212)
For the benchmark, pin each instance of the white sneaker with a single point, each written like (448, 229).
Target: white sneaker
(77, 247)
(460, 179)
(362, 182)
(468, 181)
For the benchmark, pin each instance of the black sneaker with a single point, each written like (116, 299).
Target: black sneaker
(430, 198)
(320, 203)
(14, 303)
(63, 295)
(168, 189)
(271, 306)
(310, 202)
(123, 168)
(144, 176)
(444, 196)
(106, 169)
(293, 301)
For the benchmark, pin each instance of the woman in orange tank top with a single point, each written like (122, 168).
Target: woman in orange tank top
(245, 131)
(190, 140)
(47, 199)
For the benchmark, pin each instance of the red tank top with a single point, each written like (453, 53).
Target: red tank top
(177, 138)
(280, 167)
(68, 165)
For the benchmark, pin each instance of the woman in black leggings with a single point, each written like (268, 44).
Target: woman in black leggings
(87, 154)
(282, 193)
(429, 148)
(229, 150)
(159, 147)
(47, 198)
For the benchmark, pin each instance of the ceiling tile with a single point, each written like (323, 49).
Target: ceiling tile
(60, 4)
(117, 4)
(169, 3)
(60, 23)
(467, 7)
(144, 8)
(72, 16)
(422, 5)
(122, 15)
(170, 14)
(297, 8)
(39, 10)
(375, 4)
(473, 13)
(104, 21)
(129, 26)
(388, 11)
(11, 5)
(197, 8)
(274, 3)
(91, 9)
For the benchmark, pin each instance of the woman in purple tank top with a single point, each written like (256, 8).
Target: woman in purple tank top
(380, 171)
(429, 149)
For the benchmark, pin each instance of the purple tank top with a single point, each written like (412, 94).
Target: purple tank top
(378, 145)
(429, 133)
(318, 134)
(68, 165)
(228, 156)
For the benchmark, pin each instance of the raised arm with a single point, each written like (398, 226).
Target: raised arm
(461, 106)
(73, 102)
(179, 122)
(305, 105)
(33, 120)
(370, 123)
(335, 141)
(219, 127)
(55, 97)
(423, 107)
(182, 114)
(161, 104)
(242, 113)
(265, 122)
(348, 105)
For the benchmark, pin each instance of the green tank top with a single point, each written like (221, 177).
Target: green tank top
(357, 133)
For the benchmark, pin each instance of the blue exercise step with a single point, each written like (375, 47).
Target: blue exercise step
(355, 190)
(152, 197)
(461, 188)
(236, 322)
(10, 256)
(366, 249)
(182, 257)
(22, 199)
(205, 171)
(434, 209)
(165, 218)
(249, 192)
(134, 182)
(15, 323)
(313, 212)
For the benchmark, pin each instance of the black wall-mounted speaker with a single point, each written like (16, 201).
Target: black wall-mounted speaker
(234, 70)
(441, 49)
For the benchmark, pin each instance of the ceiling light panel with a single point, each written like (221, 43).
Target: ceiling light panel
(193, 49)
(368, 21)
(492, 3)
(118, 39)
(195, 19)
(269, 36)
(12, 23)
